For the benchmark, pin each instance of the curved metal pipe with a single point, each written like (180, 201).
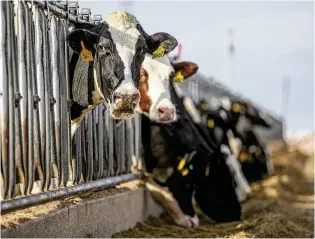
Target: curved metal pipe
(32, 200)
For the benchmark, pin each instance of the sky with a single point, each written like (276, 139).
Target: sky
(273, 40)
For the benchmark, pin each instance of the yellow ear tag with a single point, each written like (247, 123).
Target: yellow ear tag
(258, 151)
(210, 124)
(159, 52)
(243, 157)
(204, 106)
(207, 171)
(236, 108)
(178, 77)
(86, 55)
(185, 172)
(181, 164)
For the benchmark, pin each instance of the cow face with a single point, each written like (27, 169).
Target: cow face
(156, 77)
(116, 49)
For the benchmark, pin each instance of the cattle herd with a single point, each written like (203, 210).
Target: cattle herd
(204, 153)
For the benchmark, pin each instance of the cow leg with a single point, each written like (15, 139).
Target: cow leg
(243, 189)
(183, 193)
(168, 203)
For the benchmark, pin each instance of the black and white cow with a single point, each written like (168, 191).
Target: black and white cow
(255, 160)
(105, 65)
(241, 117)
(174, 140)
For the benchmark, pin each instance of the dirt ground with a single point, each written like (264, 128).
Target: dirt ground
(280, 206)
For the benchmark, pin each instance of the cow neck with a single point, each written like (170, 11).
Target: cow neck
(205, 145)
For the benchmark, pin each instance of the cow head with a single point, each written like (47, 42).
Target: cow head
(114, 51)
(156, 77)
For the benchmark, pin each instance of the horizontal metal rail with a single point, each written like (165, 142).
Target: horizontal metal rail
(32, 200)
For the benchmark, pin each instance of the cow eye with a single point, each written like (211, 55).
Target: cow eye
(101, 48)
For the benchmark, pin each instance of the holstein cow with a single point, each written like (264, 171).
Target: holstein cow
(237, 117)
(106, 64)
(169, 141)
(255, 160)
(217, 122)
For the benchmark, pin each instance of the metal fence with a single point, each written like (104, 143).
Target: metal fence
(37, 155)
(201, 87)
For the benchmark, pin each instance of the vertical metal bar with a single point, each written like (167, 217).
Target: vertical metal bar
(39, 89)
(54, 104)
(111, 145)
(106, 141)
(64, 116)
(83, 150)
(117, 152)
(7, 116)
(89, 139)
(30, 124)
(137, 139)
(100, 134)
(130, 150)
(11, 58)
(20, 170)
(95, 143)
(46, 114)
(97, 149)
(122, 144)
(37, 172)
(22, 79)
(77, 157)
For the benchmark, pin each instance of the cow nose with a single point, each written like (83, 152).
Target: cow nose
(132, 97)
(166, 113)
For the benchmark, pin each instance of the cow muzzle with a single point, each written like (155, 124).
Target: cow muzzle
(124, 104)
(166, 114)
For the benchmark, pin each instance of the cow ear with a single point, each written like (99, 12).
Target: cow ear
(184, 70)
(160, 44)
(81, 38)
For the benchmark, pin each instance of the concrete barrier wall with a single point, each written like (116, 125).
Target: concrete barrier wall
(96, 218)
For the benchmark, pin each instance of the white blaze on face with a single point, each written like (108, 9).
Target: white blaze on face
(159, 71)
(125, 35)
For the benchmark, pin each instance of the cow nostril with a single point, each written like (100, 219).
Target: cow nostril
(161, 111)
(117, 97)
